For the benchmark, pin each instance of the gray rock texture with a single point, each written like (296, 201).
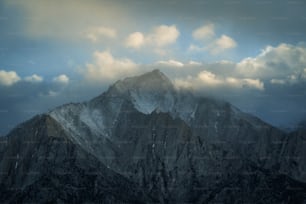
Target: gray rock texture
(144, 141)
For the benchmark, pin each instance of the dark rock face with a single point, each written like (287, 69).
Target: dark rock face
(40, 164)
(143, 141)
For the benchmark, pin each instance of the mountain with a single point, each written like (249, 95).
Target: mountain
(40, 164)
(302, 125)
(144, 141)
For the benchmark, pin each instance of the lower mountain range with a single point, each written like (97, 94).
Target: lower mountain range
(144, 141)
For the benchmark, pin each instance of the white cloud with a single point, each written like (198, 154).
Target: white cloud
(194, 63)
(34, 78)
(278, 81)
(94, 34)
(174, 64)
(106, 67)
(222, 44)
(216, 46)
(135, 40)
(8, 78)
(251, 66)
(226, 42)
(211, 79)
(171, 63)
(284, 63)
(251, 83)
(161, 36)
(61, 79)
(205, 32)
(208, 80)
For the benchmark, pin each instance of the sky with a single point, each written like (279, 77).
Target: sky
(250, 53)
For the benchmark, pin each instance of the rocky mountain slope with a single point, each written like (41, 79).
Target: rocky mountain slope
(143, 141)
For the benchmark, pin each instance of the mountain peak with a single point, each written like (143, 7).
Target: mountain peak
(156, 73)
(150, 81)
(147, 92)
(155, 78)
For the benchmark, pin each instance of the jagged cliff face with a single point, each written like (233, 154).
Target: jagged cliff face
(153, 143)
(40, 164)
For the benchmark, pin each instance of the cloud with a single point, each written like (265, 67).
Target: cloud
(61, 79)
(94, 34)
(135, 40)
(277, 81)
(107, 67)
(34, 78)
(204, 33)
(222, 44)
(160, 36)
(50, 94)
(284, 63)
(8, 78)
(171, 63)
(194, 63)
(214, 45)
(251, 83)
(163, 35)
(208, 80)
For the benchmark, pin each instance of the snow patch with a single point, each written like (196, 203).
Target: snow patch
(216, 126)
(144, 103)
(94, 120)
(147, 102)
(68, 116)
(17, 158)
(192, 115)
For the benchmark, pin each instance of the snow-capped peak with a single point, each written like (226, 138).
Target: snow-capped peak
(147, 92)
(148, 82)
